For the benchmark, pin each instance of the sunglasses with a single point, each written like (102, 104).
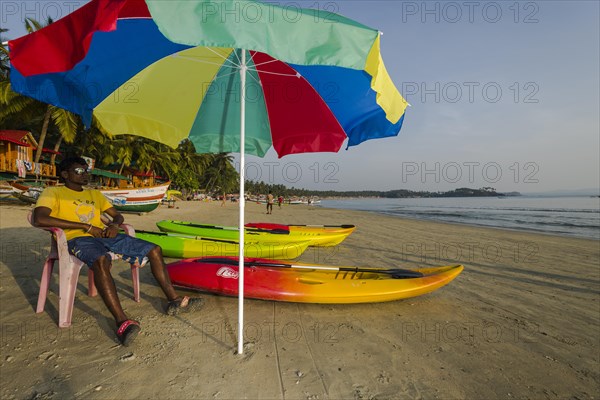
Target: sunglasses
(80, 171)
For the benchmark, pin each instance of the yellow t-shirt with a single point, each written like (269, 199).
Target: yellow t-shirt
(85, 206)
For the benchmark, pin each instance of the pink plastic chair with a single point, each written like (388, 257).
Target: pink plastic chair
(69, 268)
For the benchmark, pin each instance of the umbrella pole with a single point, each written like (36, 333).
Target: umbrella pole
(242, 202)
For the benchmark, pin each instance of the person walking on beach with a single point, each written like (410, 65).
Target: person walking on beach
(270, 203)
(280, 200)
(77, 211)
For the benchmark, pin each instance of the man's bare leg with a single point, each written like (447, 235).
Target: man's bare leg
(157, 265)
(106, 287)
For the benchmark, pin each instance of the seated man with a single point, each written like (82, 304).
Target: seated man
(77, 211)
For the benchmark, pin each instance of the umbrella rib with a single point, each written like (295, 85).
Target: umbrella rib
(227, 74)
(225, 58)
(196, 60)
(252, 57)
(266, 62)
(275, 73)
(238, 58)
(253, 77)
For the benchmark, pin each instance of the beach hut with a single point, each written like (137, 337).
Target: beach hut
(17, 156)
(143, 179)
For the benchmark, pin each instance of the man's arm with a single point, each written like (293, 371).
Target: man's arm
(117, 217)
(42, 219)
(112, 229)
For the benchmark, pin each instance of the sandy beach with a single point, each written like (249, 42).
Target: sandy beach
(522, 321)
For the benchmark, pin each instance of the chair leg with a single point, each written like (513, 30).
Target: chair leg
(135, 277)
(44, 284)
(68, 275)
(92, 291)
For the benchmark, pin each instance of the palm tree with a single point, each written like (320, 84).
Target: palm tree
(165, 161)
(21, 108)
(192, 160)
(4, 63)
(210, 170)
(127, 151)
(220, 174)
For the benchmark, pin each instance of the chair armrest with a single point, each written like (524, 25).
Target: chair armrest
(60, 236)
(59, 246)
(128, 229)
(58, 233)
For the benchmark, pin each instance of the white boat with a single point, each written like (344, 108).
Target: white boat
(142, 199)
(6, 192)
(310, 201)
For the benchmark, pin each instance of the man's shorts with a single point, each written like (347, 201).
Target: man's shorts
(88, 249)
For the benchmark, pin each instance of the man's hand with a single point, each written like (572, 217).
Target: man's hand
(110, 231)
(94, 231)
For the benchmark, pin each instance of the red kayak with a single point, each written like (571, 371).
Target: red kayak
(307, 283)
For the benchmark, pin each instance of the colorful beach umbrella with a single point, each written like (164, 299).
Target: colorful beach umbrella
(231, 76)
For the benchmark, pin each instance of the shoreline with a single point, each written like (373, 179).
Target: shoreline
(529, 225)
(521, 320)
(516, 230)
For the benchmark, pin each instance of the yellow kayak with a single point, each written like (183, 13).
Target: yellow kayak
(319, 235)
(322, 236)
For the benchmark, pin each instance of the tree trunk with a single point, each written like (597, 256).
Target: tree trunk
(121, 169)
(209, 185)
(56, 147)
(38, 152)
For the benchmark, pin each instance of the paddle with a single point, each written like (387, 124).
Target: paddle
(186, 236)
(266, 225)
(396, 273)
(326, 226)
(228, 228)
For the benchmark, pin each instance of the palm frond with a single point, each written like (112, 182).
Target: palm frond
(13, 102)
(32, 25)
(98, 125)
(66, 122)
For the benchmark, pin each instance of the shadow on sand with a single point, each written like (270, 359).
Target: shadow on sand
(24, 251)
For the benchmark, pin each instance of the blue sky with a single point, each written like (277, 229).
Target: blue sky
(502, 94)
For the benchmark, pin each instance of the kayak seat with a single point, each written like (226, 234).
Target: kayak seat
(69, 268)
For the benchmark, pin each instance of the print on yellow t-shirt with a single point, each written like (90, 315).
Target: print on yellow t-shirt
(86, 206)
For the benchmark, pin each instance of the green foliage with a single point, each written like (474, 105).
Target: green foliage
(32, 25)
(4, 59)
(21, 112)
(185, 179)
(187, 170)
(219, 175)
(66, 123)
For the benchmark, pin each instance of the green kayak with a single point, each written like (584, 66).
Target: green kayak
(186, 246)
(317, 236)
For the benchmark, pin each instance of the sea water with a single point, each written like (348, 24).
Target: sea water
(569, 216)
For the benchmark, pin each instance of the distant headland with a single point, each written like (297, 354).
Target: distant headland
(254, 187)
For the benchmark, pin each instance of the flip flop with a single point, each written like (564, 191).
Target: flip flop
(184, 305)
(128, 331)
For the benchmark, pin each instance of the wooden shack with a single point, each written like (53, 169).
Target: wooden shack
(17, 150)
(141, 179)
